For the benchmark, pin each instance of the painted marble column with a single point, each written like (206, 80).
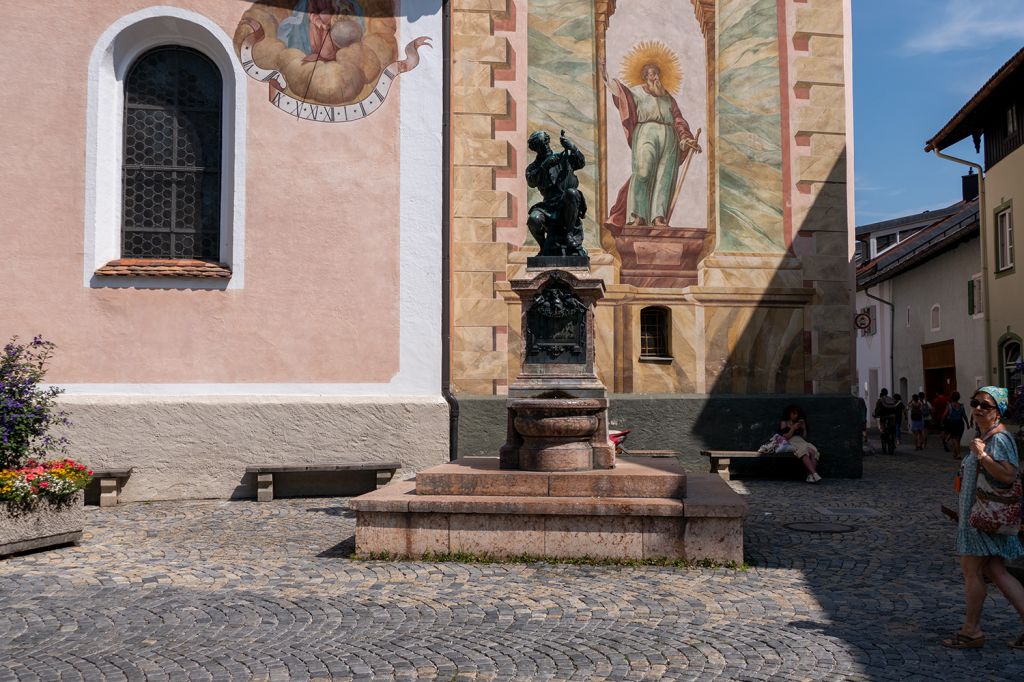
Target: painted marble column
(561, 89)
(750, 245)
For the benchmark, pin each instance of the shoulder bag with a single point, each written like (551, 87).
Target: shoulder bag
(996, 511)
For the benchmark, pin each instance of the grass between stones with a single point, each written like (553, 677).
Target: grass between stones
(470, 558)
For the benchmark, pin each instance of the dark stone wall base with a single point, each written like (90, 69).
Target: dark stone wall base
(691, 423)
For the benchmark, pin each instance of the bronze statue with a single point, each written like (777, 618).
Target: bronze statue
(557, 222)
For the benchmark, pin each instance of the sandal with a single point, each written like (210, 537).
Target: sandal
(1018, 643)
(962, 641)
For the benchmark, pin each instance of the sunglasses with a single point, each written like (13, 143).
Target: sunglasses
(982, 406)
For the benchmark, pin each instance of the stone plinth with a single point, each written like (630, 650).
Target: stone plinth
(557, 408)
(645, 508)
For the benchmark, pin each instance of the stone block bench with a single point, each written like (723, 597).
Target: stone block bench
(367, 476)
(106, 486)
(720, 459)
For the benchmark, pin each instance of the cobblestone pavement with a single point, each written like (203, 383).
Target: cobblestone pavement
(239, 590)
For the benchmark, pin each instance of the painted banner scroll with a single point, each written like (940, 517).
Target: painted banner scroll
(320, 66)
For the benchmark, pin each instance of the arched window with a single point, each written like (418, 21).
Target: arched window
(171, 168)
(654, 333)
(1010, 353)
(936, 318)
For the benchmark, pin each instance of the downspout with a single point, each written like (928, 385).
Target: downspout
(982, 219)
(892, 336)
(446, 240)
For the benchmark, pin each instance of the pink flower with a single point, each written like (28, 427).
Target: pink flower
(44, 484)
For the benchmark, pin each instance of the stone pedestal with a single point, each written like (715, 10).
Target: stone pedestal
(558, 408)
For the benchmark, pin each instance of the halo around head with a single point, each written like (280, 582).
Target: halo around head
(652, 52)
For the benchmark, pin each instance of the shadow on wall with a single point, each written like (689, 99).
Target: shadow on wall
(793, 344)
(763, 354)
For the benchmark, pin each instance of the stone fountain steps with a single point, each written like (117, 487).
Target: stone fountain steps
(646, 477)
(658, 511)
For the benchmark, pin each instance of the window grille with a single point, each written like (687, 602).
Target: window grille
(654, 325)
(172, 157)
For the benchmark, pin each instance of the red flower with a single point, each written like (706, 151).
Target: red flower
(44, 484)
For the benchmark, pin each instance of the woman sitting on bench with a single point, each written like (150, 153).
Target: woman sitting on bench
(793, 427)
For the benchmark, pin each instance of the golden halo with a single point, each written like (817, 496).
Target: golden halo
(652, 52)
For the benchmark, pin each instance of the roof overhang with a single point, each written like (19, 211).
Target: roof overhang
(964, 123)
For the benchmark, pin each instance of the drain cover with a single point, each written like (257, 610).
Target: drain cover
(820, 527)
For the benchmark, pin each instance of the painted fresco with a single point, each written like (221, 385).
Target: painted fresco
(656, 167)
(325, 60)
(654, 132)
(703, 149)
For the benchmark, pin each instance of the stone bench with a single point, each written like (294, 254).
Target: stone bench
(382, 471)
(110, 482)
(720, 459)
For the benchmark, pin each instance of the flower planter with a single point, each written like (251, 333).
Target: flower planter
(47, 522)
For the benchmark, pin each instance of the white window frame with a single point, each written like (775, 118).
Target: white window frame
(1006, 362)
(935, 318)
(114, 53)
(979, 298)
(1004, 240)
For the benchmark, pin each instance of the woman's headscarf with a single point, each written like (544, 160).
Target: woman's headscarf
(1000, 395)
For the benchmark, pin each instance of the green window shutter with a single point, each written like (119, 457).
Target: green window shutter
(970, 297)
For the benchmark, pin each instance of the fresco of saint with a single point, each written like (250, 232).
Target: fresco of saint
(658, 136)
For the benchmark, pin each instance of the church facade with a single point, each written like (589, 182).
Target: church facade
(284, 230)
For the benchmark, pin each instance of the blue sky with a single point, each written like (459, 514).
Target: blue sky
(915, 63)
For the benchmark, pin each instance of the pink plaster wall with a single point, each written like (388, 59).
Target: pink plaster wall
(320, 302)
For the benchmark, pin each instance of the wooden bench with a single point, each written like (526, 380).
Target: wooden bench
(110, 483)
(720, 459)
(265, 473)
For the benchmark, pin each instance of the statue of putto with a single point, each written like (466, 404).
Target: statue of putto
(557, 221)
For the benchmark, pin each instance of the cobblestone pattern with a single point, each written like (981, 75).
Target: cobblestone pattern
(239, 590)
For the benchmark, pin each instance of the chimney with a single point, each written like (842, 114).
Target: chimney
(970, 186)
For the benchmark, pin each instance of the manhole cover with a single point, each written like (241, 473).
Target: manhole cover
(820, 527)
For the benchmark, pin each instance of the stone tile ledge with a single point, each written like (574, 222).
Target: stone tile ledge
(707, 497)
(480, 476)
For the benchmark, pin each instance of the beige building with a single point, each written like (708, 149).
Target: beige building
(994, 117)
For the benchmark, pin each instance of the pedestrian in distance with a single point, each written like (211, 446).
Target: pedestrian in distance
(885, 413)
(916, 409)
(939, 405)
(901, 413)
(926, 412)
(992, 454)
(955, 423)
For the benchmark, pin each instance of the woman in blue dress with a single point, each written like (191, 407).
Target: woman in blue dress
(982, 554)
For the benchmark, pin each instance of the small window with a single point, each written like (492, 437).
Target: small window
(171, 169)
(975, 301)
(884, 242)
(1013, 371)
(1004, 241)
(908, 315)
(936, 318)
(1011, 120)
(654, 333)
